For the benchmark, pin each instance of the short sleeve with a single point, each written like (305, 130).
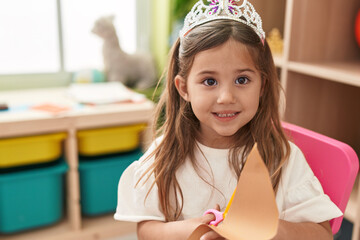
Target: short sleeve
(301, 193)
(135, 202)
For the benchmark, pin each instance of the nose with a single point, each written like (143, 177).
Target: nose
(226, 95)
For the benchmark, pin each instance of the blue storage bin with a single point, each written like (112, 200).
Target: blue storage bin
(99, 178)
(31, 198)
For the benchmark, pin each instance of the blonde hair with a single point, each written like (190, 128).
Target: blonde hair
(180, 126)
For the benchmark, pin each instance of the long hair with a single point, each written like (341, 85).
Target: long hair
(180, 126)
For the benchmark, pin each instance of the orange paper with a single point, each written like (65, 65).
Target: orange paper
(51, 108)
(253, 213)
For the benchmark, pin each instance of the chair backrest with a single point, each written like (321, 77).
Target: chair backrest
(334, 163)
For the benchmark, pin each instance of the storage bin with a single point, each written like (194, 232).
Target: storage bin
(109, 140)
(30, 150)
(99, 181)
(31, 198)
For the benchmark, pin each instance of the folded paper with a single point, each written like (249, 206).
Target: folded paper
(253, 213)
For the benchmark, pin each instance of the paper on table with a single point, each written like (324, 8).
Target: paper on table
(103, 93)
(253, 213)
(51, 108)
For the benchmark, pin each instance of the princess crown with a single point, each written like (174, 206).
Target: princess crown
(223, 9)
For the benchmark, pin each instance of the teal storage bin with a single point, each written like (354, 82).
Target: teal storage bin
(99, 178)
(31, 198)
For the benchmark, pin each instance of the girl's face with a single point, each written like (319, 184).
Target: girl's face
(224, 88)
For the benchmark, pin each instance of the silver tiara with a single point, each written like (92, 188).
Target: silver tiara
(208, 10)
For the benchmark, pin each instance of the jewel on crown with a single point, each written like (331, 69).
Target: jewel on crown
(208, 10)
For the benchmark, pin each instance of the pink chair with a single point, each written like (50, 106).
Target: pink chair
(334, 163)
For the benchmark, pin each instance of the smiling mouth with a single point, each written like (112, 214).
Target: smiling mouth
(226, 115)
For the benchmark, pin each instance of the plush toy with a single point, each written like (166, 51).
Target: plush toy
(133, 70)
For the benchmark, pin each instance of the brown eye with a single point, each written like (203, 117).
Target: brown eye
(210, 82)
(242, 80)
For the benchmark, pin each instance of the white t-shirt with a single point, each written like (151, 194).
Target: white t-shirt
(299, 198)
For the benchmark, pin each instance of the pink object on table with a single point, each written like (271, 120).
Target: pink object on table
(334, 163)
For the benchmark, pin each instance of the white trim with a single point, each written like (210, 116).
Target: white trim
(38, 80)
(60, 32)
(143, 25)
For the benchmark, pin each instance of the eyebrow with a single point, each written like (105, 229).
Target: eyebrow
(214, 72)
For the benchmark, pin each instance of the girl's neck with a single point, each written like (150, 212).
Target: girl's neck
(220, 143)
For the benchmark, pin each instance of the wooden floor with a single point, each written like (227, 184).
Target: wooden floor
(94, 228)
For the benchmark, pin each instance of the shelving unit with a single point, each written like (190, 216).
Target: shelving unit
(73, 225)
(320, 71)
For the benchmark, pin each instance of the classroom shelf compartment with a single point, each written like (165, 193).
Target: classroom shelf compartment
(99, 177)
(30, 150)
(272, 14)
(101, 141)
(31, 198)
(341, 72)
(324, 106)
(73, 225)
(323, 31)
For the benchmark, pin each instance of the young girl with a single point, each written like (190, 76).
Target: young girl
(221, 96)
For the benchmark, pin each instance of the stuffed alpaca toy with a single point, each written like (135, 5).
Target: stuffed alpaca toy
(133, 70)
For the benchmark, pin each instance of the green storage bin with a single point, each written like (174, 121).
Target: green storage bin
(31, 198)
(99, 178)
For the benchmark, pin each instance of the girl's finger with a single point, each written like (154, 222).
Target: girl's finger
(211, 235)
(208, 218)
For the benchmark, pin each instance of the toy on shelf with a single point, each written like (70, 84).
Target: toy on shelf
(275, 41)
(133, 70)
(88, 76)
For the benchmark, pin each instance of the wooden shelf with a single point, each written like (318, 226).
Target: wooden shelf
(342, 72)
(320, 72)
(272, 13)
(323, 31)
(278, 60)
(324, 106)
(351, 208)
(94, 228)
(31, 122)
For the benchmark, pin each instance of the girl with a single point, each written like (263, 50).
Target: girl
(221, 96)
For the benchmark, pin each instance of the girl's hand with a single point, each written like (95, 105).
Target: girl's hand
(211, 235)
(176, 230)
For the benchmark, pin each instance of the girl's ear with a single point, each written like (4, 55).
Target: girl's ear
(180, 84)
